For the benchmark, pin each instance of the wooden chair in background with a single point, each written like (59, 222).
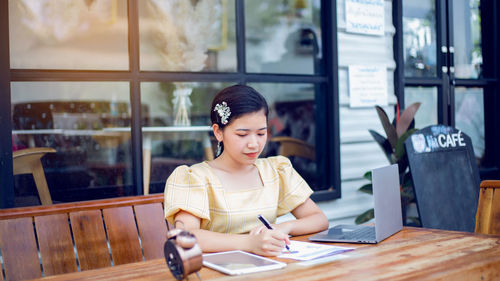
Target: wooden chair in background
(295, 147)
(28, 161)
(488, 209)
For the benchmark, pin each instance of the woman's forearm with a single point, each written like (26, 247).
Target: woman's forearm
(267, 243)
(310, 224)
(210, 241)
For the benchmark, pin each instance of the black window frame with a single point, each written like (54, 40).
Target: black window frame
(445, 81)
(328, 140)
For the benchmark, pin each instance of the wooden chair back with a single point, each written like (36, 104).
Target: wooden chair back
(28, 161)
(488, 209)
(295, 147)
(62, 234)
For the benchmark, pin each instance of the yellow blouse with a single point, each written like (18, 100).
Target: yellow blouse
(198, 190)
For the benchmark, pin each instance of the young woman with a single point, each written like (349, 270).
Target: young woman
(219, 200)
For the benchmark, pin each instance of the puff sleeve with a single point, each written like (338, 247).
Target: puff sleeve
(185, 190)
(293, 189)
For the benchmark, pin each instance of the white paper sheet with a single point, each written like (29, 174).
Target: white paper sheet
(307, 251)
(323, 260)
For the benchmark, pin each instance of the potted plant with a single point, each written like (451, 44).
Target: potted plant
(393, 147)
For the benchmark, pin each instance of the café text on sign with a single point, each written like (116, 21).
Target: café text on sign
(429, 143)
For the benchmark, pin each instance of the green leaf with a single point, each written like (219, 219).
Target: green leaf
(389, 129)
(400, 145)
(364, 217)
(368, 175)
(383, 143)
(367, 188)
(406, 118)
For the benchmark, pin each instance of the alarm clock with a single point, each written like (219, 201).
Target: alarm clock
(182, 253)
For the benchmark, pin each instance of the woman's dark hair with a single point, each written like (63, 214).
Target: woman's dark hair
(241, 100)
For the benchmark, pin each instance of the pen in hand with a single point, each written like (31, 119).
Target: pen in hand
(268, 226)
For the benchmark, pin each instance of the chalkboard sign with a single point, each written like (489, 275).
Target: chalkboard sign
(445, 177)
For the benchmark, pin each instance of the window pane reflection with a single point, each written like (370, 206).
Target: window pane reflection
(283, 36)
(292, 120)
(419, 38)
(468, 57)
(88, 124)
(89, 35)
(427, 113)
(187, 35)
(177, 129)
(469, 116)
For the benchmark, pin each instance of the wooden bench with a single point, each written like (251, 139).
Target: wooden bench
(62, 238)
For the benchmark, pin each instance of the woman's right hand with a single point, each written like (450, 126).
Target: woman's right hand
(267, 242)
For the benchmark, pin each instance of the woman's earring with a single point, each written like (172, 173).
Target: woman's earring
(219, 149)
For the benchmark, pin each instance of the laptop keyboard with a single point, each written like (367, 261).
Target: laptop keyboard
(364, 232)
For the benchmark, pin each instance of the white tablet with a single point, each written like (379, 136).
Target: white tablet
(239, 262)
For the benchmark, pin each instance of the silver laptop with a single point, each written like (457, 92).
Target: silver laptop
(387, 207)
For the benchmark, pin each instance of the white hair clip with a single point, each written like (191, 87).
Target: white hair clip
(223, 111)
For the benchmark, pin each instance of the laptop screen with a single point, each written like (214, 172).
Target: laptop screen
(387, 204)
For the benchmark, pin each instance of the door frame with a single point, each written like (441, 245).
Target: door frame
(445, 82)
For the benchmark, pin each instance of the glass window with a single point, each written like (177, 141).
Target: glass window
(283, 36)
(469, 116)
(468, 57)
(88, 124)
(427, 113)
(187, 35)
(292, 126)
(177, 128)
(90, 35)
(419, 38)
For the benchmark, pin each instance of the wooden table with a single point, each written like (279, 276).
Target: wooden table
(413, 253)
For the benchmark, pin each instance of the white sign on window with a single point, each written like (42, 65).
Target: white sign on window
(367, 85)
(365, 16)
